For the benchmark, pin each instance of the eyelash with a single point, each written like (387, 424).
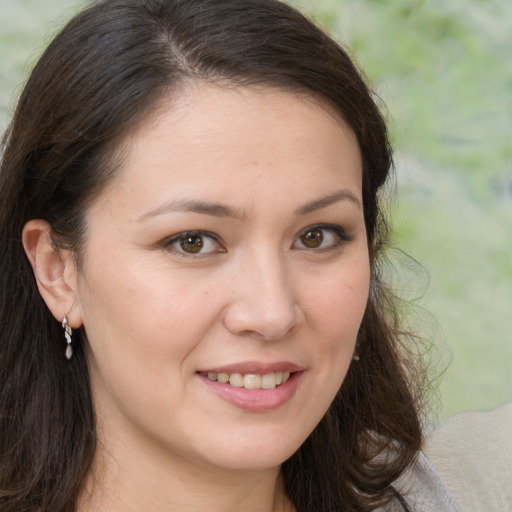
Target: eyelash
(181, 238)
(340, 235)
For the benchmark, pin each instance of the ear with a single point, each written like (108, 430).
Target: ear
(54, 270)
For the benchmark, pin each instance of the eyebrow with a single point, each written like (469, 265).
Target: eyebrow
(203, 207)
(221, 210)
(323, 202)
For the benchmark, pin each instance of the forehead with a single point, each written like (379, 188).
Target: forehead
(196, 98)
(214, 139)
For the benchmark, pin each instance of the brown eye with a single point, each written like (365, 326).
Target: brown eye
(312, 238)
(322, 237)
(192, 244)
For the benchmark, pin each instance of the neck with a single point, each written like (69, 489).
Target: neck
(136, 481)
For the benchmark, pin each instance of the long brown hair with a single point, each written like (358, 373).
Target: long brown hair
(99, 77)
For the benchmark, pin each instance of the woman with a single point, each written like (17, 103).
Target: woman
(191, 309)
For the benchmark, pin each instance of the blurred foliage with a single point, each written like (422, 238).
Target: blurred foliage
(442, 67)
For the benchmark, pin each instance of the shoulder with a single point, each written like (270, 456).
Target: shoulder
(422, 489)
(473, 451)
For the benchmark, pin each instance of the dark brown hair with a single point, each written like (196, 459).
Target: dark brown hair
(100, 76)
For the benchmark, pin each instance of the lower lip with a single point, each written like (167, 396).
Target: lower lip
(255, 400)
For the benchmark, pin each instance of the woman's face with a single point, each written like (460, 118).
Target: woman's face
(225, 277)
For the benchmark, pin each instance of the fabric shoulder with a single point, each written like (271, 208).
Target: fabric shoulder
(422, 489)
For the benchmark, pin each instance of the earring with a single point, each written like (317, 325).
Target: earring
(67, 334)
(355, 357)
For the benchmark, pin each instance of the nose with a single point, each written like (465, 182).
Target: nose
(263, 301)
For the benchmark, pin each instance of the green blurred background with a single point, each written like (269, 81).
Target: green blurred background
(442, 68)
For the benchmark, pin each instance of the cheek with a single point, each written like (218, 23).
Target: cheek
(335, 310)
(339, 303)
(335, 316)
(141, 328)
(145, 314)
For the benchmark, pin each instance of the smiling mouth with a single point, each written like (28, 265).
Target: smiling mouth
(250, 380)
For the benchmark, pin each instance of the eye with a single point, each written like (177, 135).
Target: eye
(194, 243)
(321, 237)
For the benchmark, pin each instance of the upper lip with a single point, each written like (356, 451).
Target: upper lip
(255, 367)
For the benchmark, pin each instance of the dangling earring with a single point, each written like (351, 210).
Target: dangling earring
(67, 334)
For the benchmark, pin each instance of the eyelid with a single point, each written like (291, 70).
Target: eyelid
(337, 230)
(169, 242)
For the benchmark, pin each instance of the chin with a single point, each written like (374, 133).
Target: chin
(253, 452)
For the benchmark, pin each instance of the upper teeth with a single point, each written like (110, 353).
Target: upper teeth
(251, 380)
